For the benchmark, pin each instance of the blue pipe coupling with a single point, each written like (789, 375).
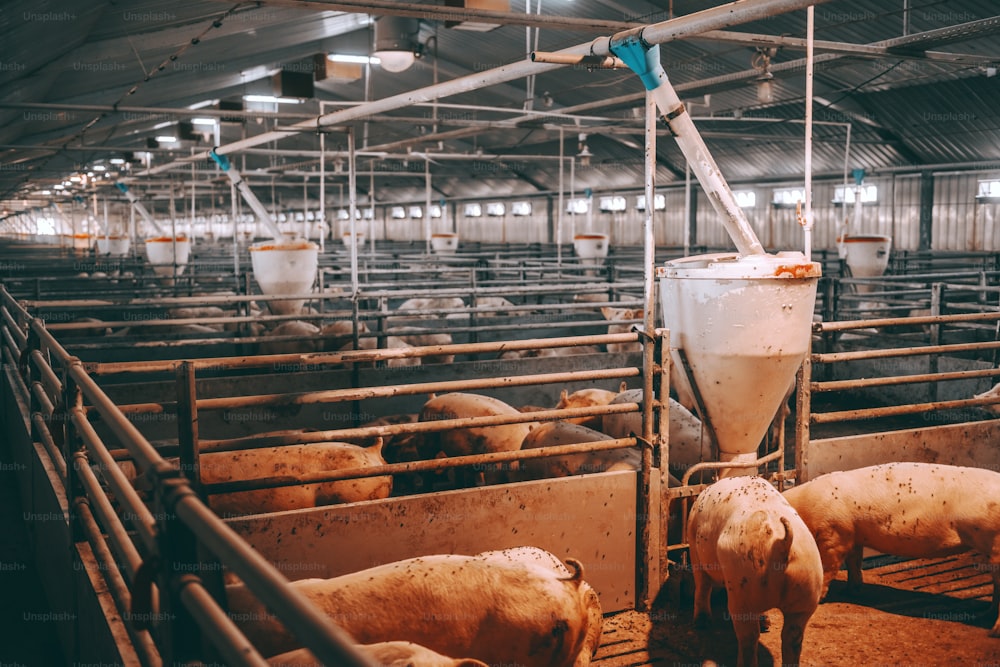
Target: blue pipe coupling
(641, 58)
(220, 160)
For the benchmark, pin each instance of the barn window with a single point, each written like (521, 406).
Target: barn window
(659, 202)
(520, 208)
(416, 212)
(473, 211)
(578, 205)
(398, 213)
(612, 204)
(989, 190)
(745, 198)
(844, 194)
(788, 197)
(496, 208)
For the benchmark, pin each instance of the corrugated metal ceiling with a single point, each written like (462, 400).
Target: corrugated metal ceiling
(904, 110)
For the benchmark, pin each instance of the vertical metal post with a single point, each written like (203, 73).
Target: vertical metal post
(926, 210)
(322, 192)
(803, 408)
(645, 586)
(371, 210)
(807, 221)
(187, 423)
(236, 233)
(690, 210)
(661, 443)
(561, 206)
(937, 301)
(352, 199)
(427, 205)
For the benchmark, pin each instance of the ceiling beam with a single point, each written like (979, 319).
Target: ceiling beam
(868, 51)
(715, 18)
(446, 13)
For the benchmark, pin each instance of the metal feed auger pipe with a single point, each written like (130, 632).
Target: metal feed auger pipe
(716, 18)
(139, 208)
(248, 196)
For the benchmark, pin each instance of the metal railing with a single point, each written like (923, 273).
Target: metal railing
(163, 562)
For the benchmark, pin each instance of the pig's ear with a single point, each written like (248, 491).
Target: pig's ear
(379, 441)
(622, 386)
(563, 395)
(608, 312)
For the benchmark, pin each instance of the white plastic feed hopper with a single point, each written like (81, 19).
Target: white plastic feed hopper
(285, 268)
(591, 248)
(866, 255)
(81, 241)
(113, 245)
(444, 242)
(160, 252)
(742, 325)
(348, 239)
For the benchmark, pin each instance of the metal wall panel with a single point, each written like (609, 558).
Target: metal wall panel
(338, 539)
(959, 222)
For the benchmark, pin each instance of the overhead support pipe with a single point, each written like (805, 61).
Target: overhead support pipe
(724, 16)
(251, 199)
(806, 219)
(138, 207)
(644, 59)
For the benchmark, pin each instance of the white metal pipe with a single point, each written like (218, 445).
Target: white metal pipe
(371, 210)
(133, 241)
(847, 157)
(140, 209)
(649, 238)
(730, 14)
(305, 207)
(687, 208)
(560, 204)
(352, 207)
(808, 213)
(322, 193)
(427, 205)
(572, 192)
(707, 171)
(251, 199)
(193, 196)
(236, 230)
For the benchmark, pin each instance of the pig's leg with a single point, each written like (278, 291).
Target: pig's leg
(854, 578)
(791, 638)
(747, 627)
(702, 595)
(833, 548)
(994, 566)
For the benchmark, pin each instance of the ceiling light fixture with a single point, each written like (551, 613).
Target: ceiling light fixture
(166, 139)
(360, 60)
(397, 43)
(203, 104)
(761, 60)
(272, 99)
(582, 151)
